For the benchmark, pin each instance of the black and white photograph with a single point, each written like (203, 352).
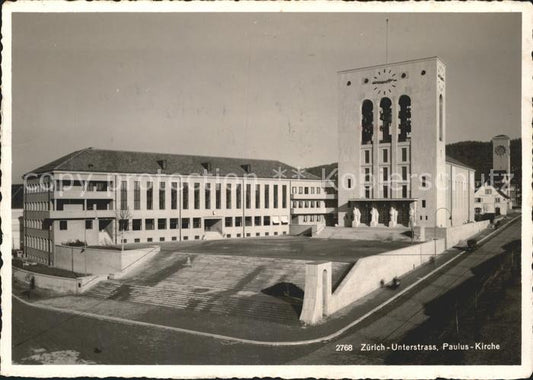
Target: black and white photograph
(284, 189)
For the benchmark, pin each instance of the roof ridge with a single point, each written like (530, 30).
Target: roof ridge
(74, 154)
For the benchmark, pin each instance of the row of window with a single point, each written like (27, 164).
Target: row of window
(38, 243)
(385, 192)
(384, 171)
(313, 218)
(33, 223)
(38, 259)
(306, 190)
(479, 200)
(210, 200)
(367, 153)
(308, 204)
(37, 206)
(198, 237)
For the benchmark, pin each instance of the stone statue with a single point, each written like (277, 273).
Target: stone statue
(356, 217)
(393, 213)
(412, 215)
(375, 217)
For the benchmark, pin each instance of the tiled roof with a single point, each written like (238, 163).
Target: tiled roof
(114, 161)
(452, 160)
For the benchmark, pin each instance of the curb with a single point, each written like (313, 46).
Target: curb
(259, 342)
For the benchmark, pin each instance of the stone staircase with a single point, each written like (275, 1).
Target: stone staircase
(226, 285)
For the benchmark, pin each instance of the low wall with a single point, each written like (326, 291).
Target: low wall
(98, 261)
(454, 235)
(62, 285)
(364, 277)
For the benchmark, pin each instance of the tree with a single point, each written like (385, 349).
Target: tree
(123, 216)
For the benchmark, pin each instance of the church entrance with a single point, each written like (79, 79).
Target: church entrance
(383, 206)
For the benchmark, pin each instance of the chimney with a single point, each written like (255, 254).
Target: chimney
(162, 164)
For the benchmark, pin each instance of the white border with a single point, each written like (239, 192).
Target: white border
(291, 371)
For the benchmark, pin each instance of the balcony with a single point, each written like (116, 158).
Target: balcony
(79, 193)
(308, 211)
(82, 214)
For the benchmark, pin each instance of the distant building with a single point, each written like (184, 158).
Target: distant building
(489, 200)
(392, 142)
(99, 197)
(17, 224)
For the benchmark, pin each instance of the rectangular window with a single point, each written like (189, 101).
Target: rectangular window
(149, 196)
(300, 190)
(488, 191)
(294, 189)
(404, 154)
(367, 156)
(318, 190)
(266, 220)
(238, 221)
(423, 203)
(136, 224)
(161, 224)
(267, 196)
(137, 195)
(149, 240)
(238, 196)
(312, 190)
(424, 183)
(161, 239)
(173, 195)
(404, 191)
(367, 192)
(367, 175)
(385, 174)
(257, 196)
(385, 155)
(63, 225)
(248, 221)
(123, 195)
(276, 203)
(228, 196)
(137, 240)
(385, 191)
(197, 223)
(404, 173)
(148, 224)
(306, 190)
(218, 196)
(185, 196)
(173, 223)
(207, 204)
(349, 183)
(185, 223)
(196, 199)
(257, 221)
(284, 196)
(88, 224)
(248, 196)
(162, 192)
(228, 221)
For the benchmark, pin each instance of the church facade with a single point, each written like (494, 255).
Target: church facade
(393, 167)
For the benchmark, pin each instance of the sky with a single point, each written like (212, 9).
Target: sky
(255, 85)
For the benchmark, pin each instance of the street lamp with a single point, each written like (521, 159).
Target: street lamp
(435, 227)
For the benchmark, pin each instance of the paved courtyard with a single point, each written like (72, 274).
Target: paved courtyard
(296, 248)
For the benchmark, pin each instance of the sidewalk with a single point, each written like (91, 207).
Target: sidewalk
(240, 327)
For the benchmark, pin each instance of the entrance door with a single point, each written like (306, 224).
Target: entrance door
(213, 225)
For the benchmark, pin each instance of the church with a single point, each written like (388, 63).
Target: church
(393, 168)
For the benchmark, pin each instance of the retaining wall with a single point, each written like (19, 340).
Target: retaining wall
(364, 277)
(99, 260)
(58, 284)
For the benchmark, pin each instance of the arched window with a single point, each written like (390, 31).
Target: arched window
(386, 120)
(405, 118)
(441, 111)
(367, 121)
